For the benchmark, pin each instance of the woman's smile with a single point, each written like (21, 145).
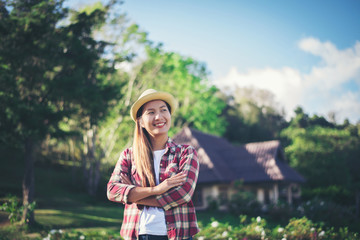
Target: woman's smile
(160, 125)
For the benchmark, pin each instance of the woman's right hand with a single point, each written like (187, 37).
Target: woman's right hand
(173, 181)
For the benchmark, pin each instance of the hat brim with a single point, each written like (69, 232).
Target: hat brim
(164, 96)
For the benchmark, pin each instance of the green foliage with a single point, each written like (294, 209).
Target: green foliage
(243, 202)
(14, 231)
(29, 33)
(257, 228)
(60, 72)
(58, 234)
(281, 212)
(213, 203)
(15, 208)
(300, 229)
(334, 193)
(328, 213)
(252, 115)
(327, 155)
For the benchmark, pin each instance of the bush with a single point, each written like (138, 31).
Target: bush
(58, 234)
(256, 228)
(243, 202)
(328, 212)
(15, 208)
(282, 212)
(213, 204)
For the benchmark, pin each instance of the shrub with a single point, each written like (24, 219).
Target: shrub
(282, 212)
(256, 228)
(243, 202)
(58, 234)
(15, 208)
(328, 212)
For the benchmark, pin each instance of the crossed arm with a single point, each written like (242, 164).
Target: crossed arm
(147, 195)
(172, 192)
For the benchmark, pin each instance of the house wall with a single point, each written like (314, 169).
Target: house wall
(218, 192)
(265, 193)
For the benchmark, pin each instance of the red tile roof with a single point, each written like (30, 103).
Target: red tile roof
(220, 161)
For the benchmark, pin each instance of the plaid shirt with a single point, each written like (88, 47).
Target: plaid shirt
(179, 209)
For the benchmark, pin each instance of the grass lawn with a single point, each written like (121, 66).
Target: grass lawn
(87, 216)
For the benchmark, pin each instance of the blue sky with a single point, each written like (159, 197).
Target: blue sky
(306, 52)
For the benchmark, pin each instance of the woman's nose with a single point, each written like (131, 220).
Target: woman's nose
(157, 115)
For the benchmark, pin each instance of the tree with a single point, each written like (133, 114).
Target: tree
(252, 115)
(28, 41)
(327, 155)
(98, 90)
(50, 72)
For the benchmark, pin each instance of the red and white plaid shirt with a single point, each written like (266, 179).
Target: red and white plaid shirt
(179, 209)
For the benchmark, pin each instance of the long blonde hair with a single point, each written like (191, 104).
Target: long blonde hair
(143, 152)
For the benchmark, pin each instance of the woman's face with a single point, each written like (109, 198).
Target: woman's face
(156, 118)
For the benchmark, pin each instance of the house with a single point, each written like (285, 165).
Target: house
(260, 166)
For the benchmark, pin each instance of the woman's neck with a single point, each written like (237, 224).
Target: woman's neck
(158, 142)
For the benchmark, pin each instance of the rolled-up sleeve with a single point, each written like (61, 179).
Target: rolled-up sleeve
(117, 191)
(175, 197)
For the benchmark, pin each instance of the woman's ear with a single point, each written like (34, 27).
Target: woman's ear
(141, 122)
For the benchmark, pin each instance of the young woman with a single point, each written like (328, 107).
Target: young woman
(156, 178)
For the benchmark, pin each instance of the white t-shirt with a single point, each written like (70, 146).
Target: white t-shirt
(152, 219)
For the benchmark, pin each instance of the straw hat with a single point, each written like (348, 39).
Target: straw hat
(150, 95)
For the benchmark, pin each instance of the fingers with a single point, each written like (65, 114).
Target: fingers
(178, 176)
(177, 179)
(171, 182)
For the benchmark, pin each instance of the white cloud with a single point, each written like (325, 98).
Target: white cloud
(348, 105)
(320, 91)
(283, 83)
(338, 66)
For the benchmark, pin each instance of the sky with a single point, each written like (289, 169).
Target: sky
(307, 53)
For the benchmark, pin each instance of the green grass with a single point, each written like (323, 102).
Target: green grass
(78, 217)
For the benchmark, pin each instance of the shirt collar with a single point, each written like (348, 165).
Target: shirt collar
(170, 146)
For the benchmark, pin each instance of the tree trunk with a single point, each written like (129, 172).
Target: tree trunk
(90, 158)
(72, 159)
(91, 164)
(28, 184)
(95, 161)
(84, 156)
(357, 203)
